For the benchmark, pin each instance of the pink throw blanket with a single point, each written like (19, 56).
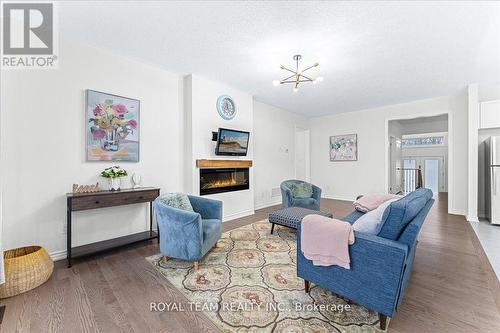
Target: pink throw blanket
(370, 202)
(326, 241)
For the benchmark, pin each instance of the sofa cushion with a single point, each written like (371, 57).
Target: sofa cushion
(399, 213)
(353, 217)
(301, 190)
(371, 222)
(177, 200)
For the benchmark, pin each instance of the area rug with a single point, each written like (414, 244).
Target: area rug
(248, 283)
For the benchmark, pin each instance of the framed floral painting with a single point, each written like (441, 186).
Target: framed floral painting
(344, 147)
(112, 127)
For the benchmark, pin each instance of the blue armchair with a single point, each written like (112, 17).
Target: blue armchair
(288, 200)
(380, 264)
(189, 235)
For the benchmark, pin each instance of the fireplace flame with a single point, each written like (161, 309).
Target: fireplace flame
(220, 183)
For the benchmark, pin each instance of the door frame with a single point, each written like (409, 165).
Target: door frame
(391, 171)
(413, 115)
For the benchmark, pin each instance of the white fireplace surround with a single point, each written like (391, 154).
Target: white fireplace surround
(201, 119)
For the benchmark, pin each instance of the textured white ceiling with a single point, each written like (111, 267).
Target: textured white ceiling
(371, 54)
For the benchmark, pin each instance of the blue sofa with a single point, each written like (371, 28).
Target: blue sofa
(380, 264)
(189, 235)
(289, 201)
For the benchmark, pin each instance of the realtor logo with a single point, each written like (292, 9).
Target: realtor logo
(28, 35)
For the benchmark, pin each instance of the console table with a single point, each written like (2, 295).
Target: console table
(85, 201)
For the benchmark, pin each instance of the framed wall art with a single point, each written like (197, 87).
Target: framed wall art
(344, 147)
(112, 127)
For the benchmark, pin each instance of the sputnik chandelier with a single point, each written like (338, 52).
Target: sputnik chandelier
(298, 75)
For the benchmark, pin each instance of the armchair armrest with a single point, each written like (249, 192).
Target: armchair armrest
(316, 192)
(287, 196)
(176, 225)
(207, 208)
(374, 279)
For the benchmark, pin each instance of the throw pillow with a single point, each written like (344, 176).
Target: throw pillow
(370, 202)
(177, 200)
(302, 190)
(370, 223)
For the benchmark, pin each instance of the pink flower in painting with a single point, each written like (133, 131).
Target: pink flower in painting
(99, 134)
(97, 110)
(132, 123)
(119, 109)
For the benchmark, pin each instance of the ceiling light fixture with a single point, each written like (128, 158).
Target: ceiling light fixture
(298, 75)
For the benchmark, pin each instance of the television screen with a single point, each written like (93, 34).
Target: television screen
(232, 142)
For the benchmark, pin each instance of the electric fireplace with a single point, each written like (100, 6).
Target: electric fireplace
(221, 180)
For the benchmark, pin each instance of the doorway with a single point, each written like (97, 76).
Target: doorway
(433, 173)
(417, 154)
(302, 164)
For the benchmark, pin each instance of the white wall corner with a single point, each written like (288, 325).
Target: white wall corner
(472, 156)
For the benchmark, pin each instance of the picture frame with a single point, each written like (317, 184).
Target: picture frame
(112, 127)
(344, 147)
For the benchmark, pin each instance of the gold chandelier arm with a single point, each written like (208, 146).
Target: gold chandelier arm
(307, 77)
(295, 81)
(308, 68)
(288, 78)
(287, 69)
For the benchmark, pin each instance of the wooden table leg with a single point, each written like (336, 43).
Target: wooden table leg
(68, 232)
(383, 321)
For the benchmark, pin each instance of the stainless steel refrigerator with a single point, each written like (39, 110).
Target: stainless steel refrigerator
(492, 179)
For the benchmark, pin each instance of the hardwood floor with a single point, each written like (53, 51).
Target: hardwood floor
(453, 288)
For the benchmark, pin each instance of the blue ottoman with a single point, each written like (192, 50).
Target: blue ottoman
(291, 216)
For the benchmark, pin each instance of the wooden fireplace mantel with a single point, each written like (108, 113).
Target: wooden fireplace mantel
(205, 164)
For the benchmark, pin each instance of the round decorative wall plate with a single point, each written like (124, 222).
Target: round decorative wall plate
(226, 107)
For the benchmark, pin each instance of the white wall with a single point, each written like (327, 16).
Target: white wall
(346, 180)
(274, 150)
(202, 118)
(43, 145)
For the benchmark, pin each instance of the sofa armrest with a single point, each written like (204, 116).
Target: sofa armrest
(207, 208)
(374, 278)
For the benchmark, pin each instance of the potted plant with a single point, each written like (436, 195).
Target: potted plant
(114, 174)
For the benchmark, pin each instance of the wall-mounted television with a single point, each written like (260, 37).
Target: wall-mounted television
(232, 142)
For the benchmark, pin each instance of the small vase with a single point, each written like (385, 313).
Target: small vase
(114, 184)
(110, 142)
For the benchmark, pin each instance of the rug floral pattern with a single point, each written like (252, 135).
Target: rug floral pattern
(249, 281)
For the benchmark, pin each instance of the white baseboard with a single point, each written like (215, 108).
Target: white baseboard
(238, 215)
(268, 204)
(457, 212)
(58, 255)
(61, 255)
(472, 218)
(337, 197)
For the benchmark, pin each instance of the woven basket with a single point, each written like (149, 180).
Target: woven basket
(25, 268)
